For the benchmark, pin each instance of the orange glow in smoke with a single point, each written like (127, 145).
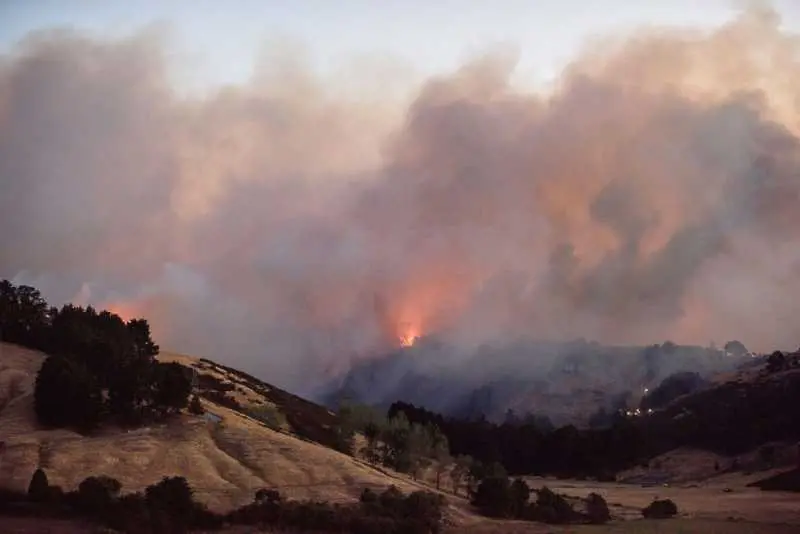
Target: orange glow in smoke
(408, 335)
(126, 310)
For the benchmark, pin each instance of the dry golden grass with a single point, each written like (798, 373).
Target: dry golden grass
(224, 462)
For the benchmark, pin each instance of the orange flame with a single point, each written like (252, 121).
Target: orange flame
(408, 334)
(126, 310)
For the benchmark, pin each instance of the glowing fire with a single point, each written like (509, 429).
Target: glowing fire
(126, 310)
(408, 335)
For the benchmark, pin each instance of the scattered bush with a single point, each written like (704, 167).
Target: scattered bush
(660, 509)
(270, 415)
(168, 506)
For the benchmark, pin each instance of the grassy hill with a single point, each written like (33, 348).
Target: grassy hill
(225, 461)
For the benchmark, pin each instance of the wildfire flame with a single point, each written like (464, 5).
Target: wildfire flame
(408, 335)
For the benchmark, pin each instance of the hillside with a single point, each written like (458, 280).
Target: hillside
(566, 382)
(225, 461)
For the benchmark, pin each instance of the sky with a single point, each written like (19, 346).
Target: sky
(291, 189)
(218, 42)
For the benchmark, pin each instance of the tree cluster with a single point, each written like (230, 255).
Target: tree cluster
(727, 418)
(528, 448)
(499, 497)
(397, 443)
(169, 506)
(99, 367)
(779, 361)
(389, 512)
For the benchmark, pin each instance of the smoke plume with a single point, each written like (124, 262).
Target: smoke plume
(288, 227)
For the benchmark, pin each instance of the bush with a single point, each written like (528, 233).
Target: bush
(268, 495)
(96, 493)
(368, 496)
(270, 415)
(553, 508)
(39, 487)
(172, 495)
(660, 509)
(519, 494)
(493, 497)
(66, 395)
(597, 509)
(195, 406)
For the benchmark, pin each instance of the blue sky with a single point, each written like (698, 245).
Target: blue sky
(222, 39)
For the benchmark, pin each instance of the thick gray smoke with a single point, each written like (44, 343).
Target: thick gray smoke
(287, 229)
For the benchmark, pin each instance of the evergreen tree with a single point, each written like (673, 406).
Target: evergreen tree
(39, 487)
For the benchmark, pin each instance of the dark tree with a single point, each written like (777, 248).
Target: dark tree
(195, 406)
(172, 495)
(24, 315)
(143, 346)
(493, 497)
(776, 362)
(736, 348)
(39, 488)
(519, 494)
(96, 493)
(66, 395)
(660, 509)
(172, 387)
(597, 509)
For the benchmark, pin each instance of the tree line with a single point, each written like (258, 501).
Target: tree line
(169, 506)
(528, 448)
(99, 368)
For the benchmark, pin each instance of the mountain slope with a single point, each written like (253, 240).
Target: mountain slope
(224, 461)
(564, 381)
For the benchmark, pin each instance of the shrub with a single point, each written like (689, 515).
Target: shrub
(519, 494)
(597, 509)
(553, 508)
(195, 406)
(172, 495)
(368, 496)
(39, 487)
(96, 493)
(268, 495)
(268, 414)
(493, 497)
(660, 509)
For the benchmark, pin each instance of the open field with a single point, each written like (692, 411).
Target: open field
(707, 508)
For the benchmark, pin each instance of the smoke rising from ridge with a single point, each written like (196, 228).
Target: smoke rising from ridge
(285, 228)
